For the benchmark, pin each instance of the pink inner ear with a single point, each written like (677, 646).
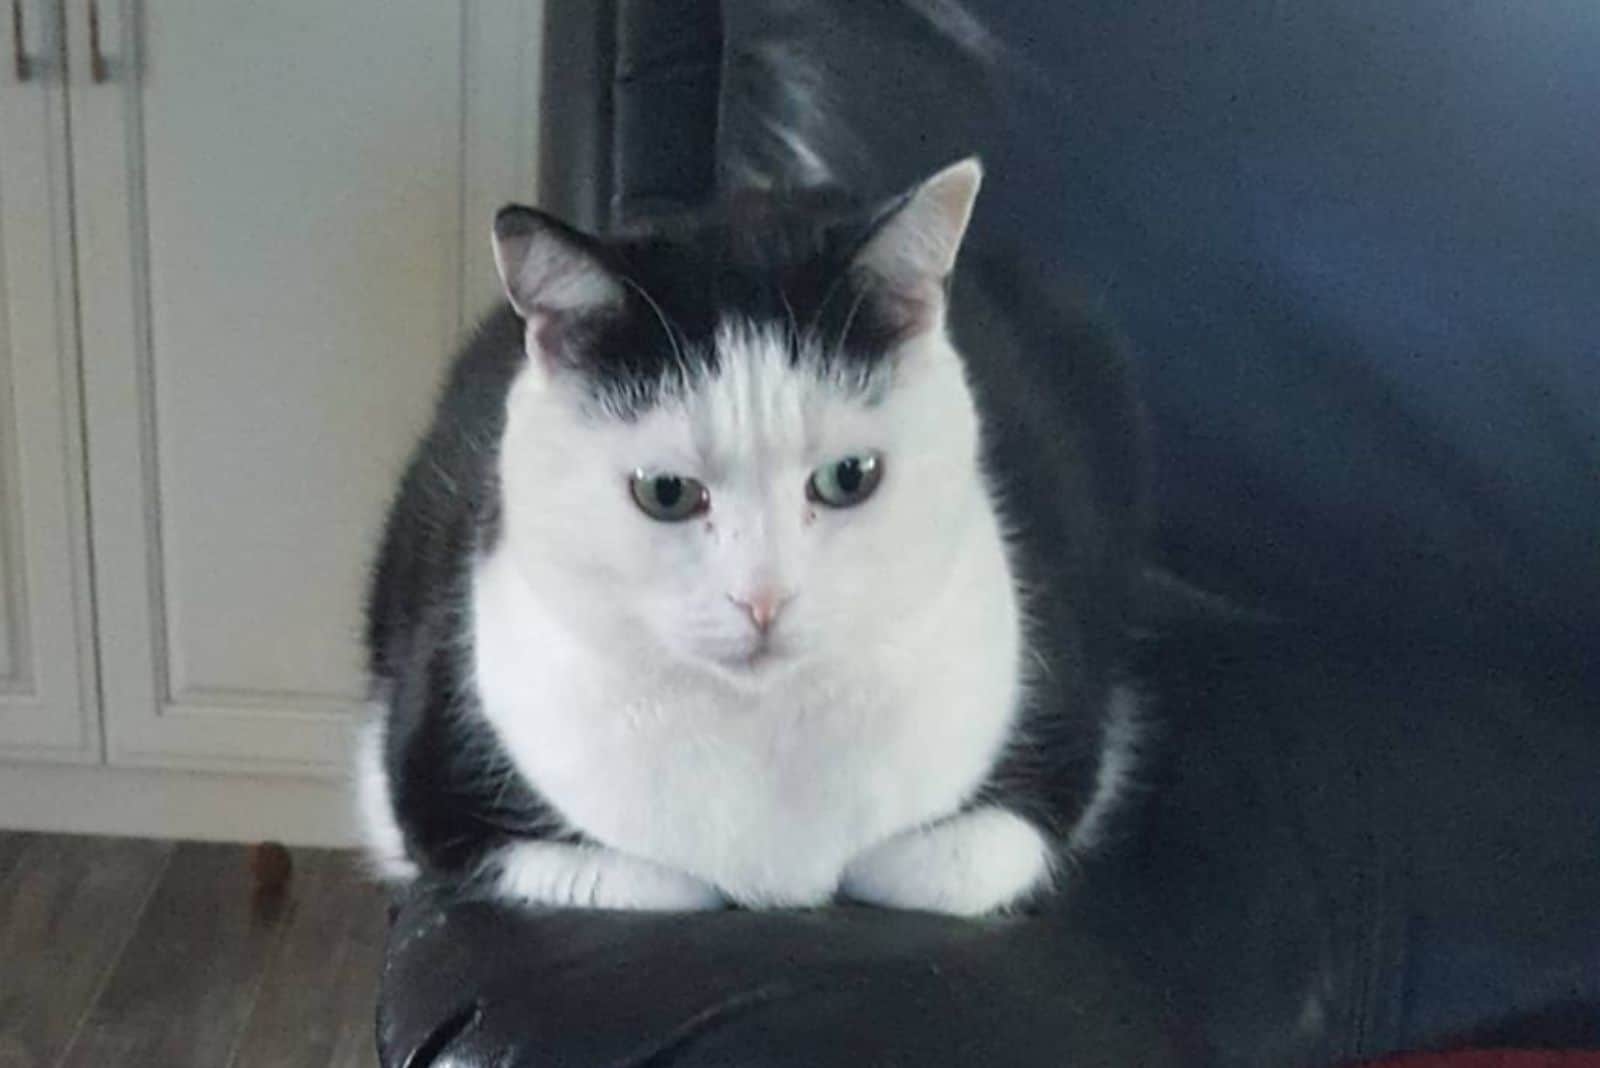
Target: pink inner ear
(909, 310)
(549, 337)
(548, 334)
(560, 335)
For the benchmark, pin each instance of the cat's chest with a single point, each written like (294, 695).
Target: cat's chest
(768, 792)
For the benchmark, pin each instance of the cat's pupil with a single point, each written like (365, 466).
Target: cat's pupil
(669, 490)
(848, 475)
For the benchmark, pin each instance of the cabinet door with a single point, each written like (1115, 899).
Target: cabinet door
(283, 215)
(46, 663)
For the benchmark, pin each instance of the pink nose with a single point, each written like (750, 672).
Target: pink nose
(762, 607)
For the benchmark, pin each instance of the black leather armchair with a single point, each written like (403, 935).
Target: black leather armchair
(1356, 250)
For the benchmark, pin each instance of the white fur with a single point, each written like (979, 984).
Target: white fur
(384, 842)
(1121, 733)
(970, 864)
(585, 876)
(615, 667)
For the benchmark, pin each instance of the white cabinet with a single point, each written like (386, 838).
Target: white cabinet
(278, 215)
(46, 654)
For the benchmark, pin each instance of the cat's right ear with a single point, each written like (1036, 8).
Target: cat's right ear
(552, 275)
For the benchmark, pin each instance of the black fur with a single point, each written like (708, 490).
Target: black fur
(454, 791)
(757, 259)
(1064, 445)
(1061, 437)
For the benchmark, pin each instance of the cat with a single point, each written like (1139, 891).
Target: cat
(750, 559)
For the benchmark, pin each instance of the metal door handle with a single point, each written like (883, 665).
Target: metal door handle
(99, 69)
(19, 51)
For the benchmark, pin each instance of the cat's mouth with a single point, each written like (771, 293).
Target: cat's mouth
(762, 657)
(757, 661)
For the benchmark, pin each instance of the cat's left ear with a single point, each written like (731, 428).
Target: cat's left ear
(913, 250)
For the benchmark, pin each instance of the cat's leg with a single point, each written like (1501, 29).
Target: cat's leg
(967, 865)
(590, 876)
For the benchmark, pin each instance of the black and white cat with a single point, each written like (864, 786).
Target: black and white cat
(724, 577)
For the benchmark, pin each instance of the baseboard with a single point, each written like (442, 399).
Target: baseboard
(168, 804)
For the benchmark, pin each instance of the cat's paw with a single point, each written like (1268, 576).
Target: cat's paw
(593, 877)
(970, 864)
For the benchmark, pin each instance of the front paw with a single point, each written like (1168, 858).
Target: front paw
(594, 877)
(968, 865)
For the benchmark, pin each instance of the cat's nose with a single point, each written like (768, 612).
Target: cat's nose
(762, 607)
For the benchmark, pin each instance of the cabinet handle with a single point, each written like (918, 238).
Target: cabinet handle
(19, 51)
(99, 69)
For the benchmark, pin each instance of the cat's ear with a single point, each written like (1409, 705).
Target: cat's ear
(913, 249)
(552, 274)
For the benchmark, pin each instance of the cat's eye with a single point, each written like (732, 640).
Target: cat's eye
(847, 482)
(669, 498)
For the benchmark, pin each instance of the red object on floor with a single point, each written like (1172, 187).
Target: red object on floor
(1496, 1058)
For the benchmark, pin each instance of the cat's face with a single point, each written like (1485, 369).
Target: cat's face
(691, 470)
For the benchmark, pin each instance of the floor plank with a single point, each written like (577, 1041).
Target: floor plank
(11, 845)
(187, 981)
(67, 906)
(318, 997)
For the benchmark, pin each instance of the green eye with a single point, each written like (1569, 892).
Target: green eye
(669, 498)
(847, 482)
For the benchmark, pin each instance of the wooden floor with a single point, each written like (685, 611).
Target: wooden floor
(116, 953)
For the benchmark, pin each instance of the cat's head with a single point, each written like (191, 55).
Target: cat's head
(744, 443)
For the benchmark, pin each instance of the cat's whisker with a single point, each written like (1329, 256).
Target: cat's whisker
(795, 340)
(661, 317)
(850, 318)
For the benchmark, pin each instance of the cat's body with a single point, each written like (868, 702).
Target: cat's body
(906, 695)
